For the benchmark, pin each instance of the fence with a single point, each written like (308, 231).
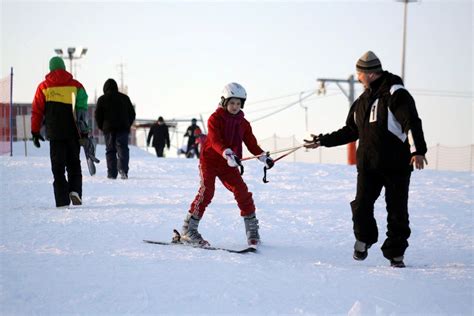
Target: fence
(6, 88)
(439, 157)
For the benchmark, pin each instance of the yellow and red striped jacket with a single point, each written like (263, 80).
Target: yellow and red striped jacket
(57, 99)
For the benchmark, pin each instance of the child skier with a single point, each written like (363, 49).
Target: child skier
(220, 158)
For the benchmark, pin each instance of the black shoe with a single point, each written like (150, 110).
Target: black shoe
(397, 262)
(123, 175)
(360, 250)
(75, 198)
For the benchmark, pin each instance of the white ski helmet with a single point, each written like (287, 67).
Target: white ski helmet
(233, 90)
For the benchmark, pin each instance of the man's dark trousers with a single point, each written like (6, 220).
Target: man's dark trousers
(64, 156)
(159, 150)
(116, 153)
(369, 186)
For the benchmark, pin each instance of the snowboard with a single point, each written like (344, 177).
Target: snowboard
(89, 145)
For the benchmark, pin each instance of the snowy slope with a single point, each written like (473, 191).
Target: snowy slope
(90, 259)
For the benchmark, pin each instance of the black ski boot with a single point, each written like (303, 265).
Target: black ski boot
(397, 262)
(360, 250)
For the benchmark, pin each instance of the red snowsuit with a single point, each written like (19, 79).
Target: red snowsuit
(225, 131)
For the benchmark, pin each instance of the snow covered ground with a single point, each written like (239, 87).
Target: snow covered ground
(91, 259)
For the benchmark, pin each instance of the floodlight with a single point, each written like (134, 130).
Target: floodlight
(322, 87)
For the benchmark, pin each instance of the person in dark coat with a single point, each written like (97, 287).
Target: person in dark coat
(61, 103)
(161, 137)
(115, 115)
(192, 133)
(385, 121)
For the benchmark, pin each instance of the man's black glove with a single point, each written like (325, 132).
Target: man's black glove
(36, 138)
(313, 143)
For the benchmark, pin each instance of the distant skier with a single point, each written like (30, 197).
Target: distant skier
(193, 132)
(200, 140)
(220, 158)
(161, 137)
(65, 125)
(115, 115)
(385, 121)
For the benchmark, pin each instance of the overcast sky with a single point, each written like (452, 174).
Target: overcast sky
(177, 55)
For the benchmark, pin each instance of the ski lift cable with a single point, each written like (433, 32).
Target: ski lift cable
(184, 117)
(310, 99)
(279, 97)
(292, 104)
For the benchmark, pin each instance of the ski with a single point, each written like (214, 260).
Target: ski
(164, 243)
(176, 241)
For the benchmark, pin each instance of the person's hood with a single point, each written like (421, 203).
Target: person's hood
(58, 77)
(110, 86)
(393, 79)
(385, 82)
(56, 63)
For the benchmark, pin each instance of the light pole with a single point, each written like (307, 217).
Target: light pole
(405, 9)
(70, 55)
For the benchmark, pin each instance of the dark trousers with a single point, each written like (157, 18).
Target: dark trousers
(159, 150)
(116, 153)
(64, 156)
(192, 149)
(369, 186)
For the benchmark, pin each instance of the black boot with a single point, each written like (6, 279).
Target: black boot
(360, 250)
(397, 262)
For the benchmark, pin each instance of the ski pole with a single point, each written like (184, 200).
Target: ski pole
(272, 152)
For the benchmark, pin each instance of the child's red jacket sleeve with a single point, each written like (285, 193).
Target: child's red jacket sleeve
(215, 137)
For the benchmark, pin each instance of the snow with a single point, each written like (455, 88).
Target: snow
(91, 260)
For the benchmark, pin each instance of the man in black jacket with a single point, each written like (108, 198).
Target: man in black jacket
(114, 115)
(161, 137)
(385, 121)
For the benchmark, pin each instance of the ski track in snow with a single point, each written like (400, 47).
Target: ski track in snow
(91, 259)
